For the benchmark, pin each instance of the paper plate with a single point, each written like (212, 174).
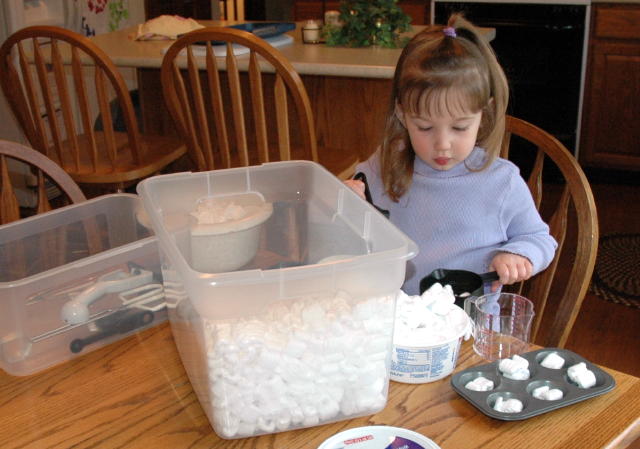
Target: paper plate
(378, 437)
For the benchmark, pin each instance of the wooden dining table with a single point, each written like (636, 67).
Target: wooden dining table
(135, 393)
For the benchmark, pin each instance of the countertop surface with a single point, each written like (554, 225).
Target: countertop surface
(631, 2)
(135, 393)
(307, 59)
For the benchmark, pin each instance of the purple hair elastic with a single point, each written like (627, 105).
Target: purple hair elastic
(449, 31)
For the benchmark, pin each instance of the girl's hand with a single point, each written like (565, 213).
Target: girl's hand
(356, 186)
(511, 268)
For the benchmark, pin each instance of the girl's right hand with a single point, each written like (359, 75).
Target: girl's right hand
(511, 268)
(356, 186)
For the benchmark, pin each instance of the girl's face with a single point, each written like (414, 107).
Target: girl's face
(442, 141)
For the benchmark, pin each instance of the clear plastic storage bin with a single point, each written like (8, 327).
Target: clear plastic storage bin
(301, 335)
(75, 279)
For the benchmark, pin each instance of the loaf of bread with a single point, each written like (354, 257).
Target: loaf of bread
(166, 27)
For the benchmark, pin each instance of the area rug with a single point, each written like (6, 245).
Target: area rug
(616, 276)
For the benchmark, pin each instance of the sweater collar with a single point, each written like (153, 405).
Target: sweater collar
(475, 159)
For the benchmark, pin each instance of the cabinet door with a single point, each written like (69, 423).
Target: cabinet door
(313, 9)
(197, 9)
(610, 127)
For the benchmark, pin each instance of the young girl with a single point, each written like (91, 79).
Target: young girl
(438, 172)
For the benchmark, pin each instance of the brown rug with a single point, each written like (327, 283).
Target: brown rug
(616, 276)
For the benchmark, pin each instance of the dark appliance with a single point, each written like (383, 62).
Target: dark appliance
(541, 48)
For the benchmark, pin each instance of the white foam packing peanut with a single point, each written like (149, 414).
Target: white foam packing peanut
(303, 363)
(507, 405)
(552, 361)
(426, 320)
(546, 393)
(516, 368)
(581, 375)
(479, 384)
(209, 211)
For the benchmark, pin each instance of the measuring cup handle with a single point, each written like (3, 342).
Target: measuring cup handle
(470, 310)
(469, 305)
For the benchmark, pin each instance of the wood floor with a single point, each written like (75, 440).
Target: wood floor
(607, 333)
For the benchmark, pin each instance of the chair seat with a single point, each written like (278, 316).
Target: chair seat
(156, 153)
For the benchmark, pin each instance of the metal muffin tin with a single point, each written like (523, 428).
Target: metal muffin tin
(522, 389)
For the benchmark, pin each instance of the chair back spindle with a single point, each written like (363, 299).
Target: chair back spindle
(239, 108)
(58, 83)
(566, 202)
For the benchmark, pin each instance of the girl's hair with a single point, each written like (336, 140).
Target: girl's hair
(442, 71)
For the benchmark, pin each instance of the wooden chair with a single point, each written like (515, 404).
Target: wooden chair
(45, 169)
(52, 244)
(569, 209)
(53, 105)
(209, 100)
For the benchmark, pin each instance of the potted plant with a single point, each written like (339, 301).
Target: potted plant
(369, 22)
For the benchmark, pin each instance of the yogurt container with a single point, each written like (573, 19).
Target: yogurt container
(378, 437)
(428, 332)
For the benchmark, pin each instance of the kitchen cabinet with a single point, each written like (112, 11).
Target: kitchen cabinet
(610, 135)
(198, 9)
(418, 10)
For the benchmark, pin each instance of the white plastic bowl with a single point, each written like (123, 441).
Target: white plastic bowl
(230, 244)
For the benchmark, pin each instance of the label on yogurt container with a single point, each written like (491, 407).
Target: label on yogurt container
(422, 364)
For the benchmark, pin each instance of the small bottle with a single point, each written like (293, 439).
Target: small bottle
(311, 32)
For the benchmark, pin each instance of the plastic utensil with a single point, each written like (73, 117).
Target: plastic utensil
(501, 324)
(120, 322)
(463, 283)
(76, 311)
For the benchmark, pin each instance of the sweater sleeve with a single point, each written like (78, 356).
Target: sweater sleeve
(527, 234)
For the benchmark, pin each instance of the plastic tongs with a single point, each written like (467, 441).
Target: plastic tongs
(76, 311)
(367, 193)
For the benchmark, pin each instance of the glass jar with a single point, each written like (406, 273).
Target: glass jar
(311, 32)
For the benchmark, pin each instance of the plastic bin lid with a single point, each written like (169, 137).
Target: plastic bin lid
(378, 437)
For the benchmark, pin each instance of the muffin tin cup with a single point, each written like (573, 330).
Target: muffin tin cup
(523, 389)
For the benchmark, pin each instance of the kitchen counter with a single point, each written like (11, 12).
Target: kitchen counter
(628, 2)
(307, 59)
(135, 394)
(344, 85)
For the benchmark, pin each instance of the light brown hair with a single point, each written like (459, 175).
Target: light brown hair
(435, 69)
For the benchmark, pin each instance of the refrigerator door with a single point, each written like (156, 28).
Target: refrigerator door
(42, 12)
(10, 14)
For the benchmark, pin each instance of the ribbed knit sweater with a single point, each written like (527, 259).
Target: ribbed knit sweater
(460, 218)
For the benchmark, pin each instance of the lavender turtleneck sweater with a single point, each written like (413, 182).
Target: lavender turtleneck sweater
(460, 218)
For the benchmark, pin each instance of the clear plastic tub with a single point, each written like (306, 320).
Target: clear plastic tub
(297, 337)
(75, 279)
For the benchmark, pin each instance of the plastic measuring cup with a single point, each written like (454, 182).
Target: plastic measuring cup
(501, 324)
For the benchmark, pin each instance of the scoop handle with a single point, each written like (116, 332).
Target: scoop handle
(367, 193)
(489, 277)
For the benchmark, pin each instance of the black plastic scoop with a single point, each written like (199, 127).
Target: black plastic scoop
(463, 283)
(367, 193)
